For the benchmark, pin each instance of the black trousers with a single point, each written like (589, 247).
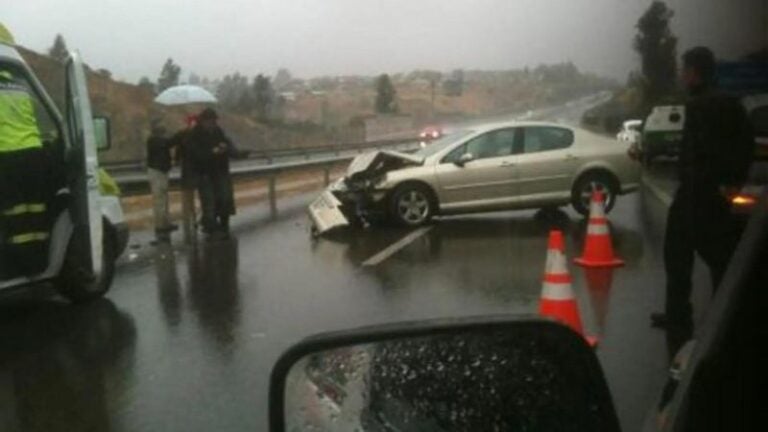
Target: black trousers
(26, 189)
(698, 222)
(217, 201)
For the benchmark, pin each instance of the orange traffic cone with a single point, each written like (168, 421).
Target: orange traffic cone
(598, 249)
(557, 298)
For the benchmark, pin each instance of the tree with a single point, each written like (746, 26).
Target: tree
(59, 49)
(234, 94)
(386, 96)
(282, 79)
(169, 75)
(194, 79)
(657, 47)
(454, 86)
(145, 83)
(263, 97)
(105, 73)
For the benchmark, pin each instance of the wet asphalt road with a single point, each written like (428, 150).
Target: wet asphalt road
(186, 338)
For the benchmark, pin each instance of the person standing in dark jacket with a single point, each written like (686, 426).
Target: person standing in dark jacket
(716, 151)
(158, 166)
(181, 142)
(210, 150)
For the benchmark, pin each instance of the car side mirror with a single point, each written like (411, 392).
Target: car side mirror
(465, 159)
(102, 130)
(460, 374)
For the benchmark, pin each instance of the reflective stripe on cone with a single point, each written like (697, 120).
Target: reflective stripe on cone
(557, 298)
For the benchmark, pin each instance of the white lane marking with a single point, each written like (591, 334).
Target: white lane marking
(662, 196)
(396, 246)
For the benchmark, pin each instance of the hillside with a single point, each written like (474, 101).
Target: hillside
(328, 110)
(131, 109)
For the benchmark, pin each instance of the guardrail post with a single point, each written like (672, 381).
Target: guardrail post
(273, 195)
(327, 175)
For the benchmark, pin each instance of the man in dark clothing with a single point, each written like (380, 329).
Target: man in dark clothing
(181, 142)
(158, 166)
(716, 151)
(210, 150)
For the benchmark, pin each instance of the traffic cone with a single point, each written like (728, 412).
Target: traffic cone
(598, 248)
(557, 298)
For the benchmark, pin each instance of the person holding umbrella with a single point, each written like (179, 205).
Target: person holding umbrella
(210, 150)
(188, 96)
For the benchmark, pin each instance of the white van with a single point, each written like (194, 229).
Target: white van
(89, 230)
(662, 132)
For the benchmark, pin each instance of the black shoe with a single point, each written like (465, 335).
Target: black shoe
(659, 320)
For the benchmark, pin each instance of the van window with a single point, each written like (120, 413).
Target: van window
(50, 134)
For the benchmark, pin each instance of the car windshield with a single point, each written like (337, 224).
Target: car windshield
(189, 188)
(442, 143)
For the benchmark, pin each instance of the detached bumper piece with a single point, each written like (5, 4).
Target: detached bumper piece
(326, 213)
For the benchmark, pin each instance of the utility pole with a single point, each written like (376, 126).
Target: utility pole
(432, 85)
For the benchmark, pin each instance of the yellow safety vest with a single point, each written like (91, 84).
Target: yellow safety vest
(18, 123)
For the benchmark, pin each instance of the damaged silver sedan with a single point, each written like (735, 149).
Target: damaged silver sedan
(502, 166)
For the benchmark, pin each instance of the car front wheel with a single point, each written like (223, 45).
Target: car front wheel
(412, 205)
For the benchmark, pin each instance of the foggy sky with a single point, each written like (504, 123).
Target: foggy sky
(318, 37)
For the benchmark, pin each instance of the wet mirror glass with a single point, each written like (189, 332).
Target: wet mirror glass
(477, 380)
(101, 130)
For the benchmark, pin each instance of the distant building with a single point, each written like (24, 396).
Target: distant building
(289, 96)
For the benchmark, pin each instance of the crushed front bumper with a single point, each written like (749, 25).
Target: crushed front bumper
(338, 206)
(325, 213)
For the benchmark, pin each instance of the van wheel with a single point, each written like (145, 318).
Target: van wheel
(581, 194)
(412, 205)
(75, 281)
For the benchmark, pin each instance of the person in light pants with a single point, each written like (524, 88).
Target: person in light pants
(180, 141)
(158, 166)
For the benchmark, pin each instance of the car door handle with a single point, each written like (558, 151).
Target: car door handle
(571, 157)
(507, 164)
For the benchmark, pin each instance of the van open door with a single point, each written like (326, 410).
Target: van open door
(84, 183)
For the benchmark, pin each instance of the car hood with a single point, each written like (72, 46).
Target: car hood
(379, 162)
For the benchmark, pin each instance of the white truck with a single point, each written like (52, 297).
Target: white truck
(662, 132)
(88, 229)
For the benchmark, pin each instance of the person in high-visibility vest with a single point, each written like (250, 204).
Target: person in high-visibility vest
(24, 181)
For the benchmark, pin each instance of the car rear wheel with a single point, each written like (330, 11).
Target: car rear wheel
(412, 205)
(586, 185)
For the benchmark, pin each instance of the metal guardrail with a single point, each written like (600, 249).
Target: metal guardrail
(136, 182)
(270, 155)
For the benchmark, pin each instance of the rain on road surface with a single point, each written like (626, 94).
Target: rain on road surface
(185, 339)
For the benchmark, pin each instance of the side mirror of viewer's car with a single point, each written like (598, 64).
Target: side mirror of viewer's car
(486, 373)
